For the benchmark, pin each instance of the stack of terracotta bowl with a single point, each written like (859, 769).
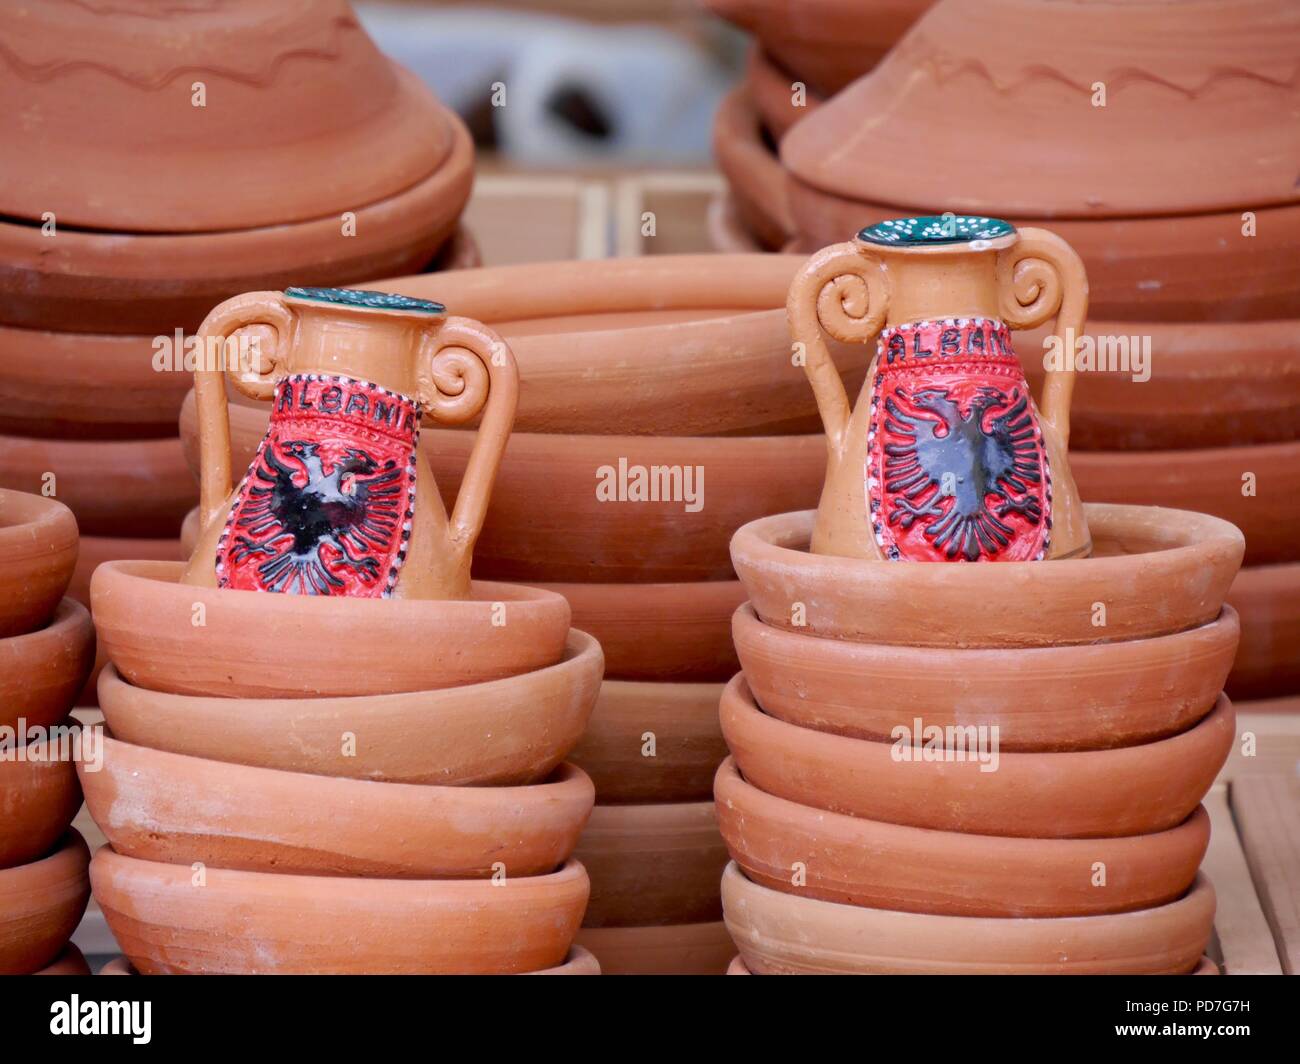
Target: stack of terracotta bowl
(47, 646)
(629, 364)
(160, 162)
(802, 55)
(297, 784)
(1130, 127)
(977, 768)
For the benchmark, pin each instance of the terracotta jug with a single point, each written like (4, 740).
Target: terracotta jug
(338, 500)
(945, 456)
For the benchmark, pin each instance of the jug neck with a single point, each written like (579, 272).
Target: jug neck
(925, 286)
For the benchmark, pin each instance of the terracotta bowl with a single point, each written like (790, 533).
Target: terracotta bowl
(783, 934)
(677, 723)
(159, 806)
(502, 732)
(96, 550)
(1268, 660)
(659, 632)
(747, 159)
(1207, 481)
(798, 849)
(70, 962)
(1211, 385)
(652, 864)
(546, 522)
(671, 949)
(259, 923)
(279, 646)
(118, 966)
(772, 93)
(1130, 790)
(40, 796)
(140, 284)
(736, 967)
(41, 673)
(38, 549)
(1081, 697)
(115, 487)
(1155, 571)
(86, 386)
(40, 906)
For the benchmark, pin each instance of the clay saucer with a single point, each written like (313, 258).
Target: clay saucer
(659, 632)
(772, 91)
(95, 282)
(547, 523)
(783, 934)
(579, 962)
(70, 962)
(660, 949)
(1268, 660)
(115, 487)
(1211, 481)
(38, 550)
(253, 645)
(40, 906)
(677, 723)
(754, 174)
(39, 795)
(1211, 385)
(1129, 790)
(260, 923)
(1154, 571)
(1081, 697)
(652, 864)
(738, 967)
(510, 731)
(827, 42)
(107, 388)
(42, 672)
(176, 809)
(813, 853)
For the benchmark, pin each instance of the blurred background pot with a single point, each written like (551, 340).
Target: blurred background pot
(660, 949)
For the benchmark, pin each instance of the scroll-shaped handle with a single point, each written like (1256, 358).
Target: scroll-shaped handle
(844, 291)
(1040, 276)
(466, 368)
(253, 368)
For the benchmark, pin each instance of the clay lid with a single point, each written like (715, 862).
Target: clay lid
(934, 230)
(360, 299)
(304, 117)
(987, 106)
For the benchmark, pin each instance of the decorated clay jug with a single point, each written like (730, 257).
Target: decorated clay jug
(945, 456)
(338, 499)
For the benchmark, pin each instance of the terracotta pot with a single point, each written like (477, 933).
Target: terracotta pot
(96, 550)
(41, 673)
(40, 906)
(39, 795)
(774, 92)
(259, 923)
(829, 42)
(747, 159)
(1082, 697)
(95, 282)
(118, 966)
(115, 487)
(1268, 660)
(1130, 790)
(69, 962)
(502, 732)
(652, 864)
(546, 523)
(673, 949)
(782, 934)
(166, 807)
(659, 632)
(1155, 571)
(1210, 385)
(736, 967)
(579, 962)
(1208, 481)
(677, 723)
(812, 853)
(253, 645)
(38, 549)
(107, 386)
(1162, 240)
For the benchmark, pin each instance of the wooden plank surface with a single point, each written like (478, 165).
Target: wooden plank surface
(1266, 743)
(1243, 932)
(1266, 808)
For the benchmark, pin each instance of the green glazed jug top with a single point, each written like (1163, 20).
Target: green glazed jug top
(931, 230)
